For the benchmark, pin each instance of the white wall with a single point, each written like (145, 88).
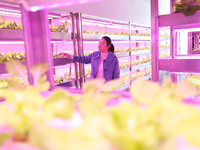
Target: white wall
(164, 7)
(137, 11)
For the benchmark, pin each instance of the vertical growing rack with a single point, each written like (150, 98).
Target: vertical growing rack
(174, 64)
(131, 41)
(132, 45)
(92, 29)
(16, 37)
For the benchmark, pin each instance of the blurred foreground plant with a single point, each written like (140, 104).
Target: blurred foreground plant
(24, 105)
(194, 80)
(153, 120)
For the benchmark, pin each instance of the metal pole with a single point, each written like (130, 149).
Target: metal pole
(154, 40)
(37, 41)
(173, 43)
(176, 44)
(74, 44)
(80, 46)
(130, 51)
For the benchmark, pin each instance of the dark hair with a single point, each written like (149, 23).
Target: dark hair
(109, 42)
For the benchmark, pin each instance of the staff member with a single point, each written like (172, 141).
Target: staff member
(104, 63)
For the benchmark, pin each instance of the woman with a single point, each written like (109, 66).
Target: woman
(104, 63)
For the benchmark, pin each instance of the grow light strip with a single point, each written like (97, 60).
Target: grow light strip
(97, 42)
(22, 42)
(12, 42)
(11, 14)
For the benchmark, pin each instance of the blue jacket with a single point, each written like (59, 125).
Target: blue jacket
(110, 64)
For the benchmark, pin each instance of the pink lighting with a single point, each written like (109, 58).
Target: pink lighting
(96, 42)
(12, 42)
(50, 4)
(53, 16)
(83, 1)
(189, 29)
(17, 13)
(35, 5)
(21, 42)
(103, 24)
(12, 14)
(3, 9)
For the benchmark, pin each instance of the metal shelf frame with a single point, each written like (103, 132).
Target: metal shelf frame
(96, 37)
(135, 67)
(76, 36)
(147, 77)
(39, 44)
(174, 63)
(17, 35)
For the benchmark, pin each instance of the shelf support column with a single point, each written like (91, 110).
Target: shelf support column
(80, 46)
(130, 47)
(37, 41)
(75, 50)
(173, 44)
(154, 40)
(190, 43)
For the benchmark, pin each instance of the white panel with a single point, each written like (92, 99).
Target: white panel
(137, 11)
(164, 7)
(183, 43)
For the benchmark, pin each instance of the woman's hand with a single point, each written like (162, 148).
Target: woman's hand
(65, 55)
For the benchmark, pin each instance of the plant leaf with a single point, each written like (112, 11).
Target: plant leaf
(37, 71)
(190, 129)
(17, 69)
(42, 84)
(60, 104)
(12, 84)
(4, 137)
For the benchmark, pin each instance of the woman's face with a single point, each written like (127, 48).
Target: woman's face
(103, 46)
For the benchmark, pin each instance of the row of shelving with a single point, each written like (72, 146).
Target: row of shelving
(61, 56)
(124, 70)
(117, 31)
(126, 52)
(180, 28)
(60, 31)
(71, 83)
(17, 35)
(56, 62)
(127, 85)
(139, 66)
(131, 47)
(136, 46)
(120, 37)
(140, 52)
(4, 84)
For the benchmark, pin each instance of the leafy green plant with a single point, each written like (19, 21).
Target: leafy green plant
(59, 28)
(153, 120)
(96, 93)
(8, 24)
(17, 69)
(187, 7)
(26, 106)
